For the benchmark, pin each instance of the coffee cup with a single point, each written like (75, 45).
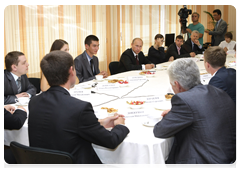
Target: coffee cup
(22, 100)
(99, 77)
(154, 118)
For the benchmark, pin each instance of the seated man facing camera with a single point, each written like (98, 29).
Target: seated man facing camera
(202, 119)
(133, 58)
(61, 122)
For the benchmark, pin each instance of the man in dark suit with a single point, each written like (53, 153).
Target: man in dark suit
(223, 78)
(193, 44)
(176, 51)
(220, 28)
(133, 58)
(61, 122)
(16, 83)
(86, 64)
(202, 119)
(13, 119)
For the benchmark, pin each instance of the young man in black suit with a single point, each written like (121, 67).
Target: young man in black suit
(133, 58)
(61, 122)
(16, 83)
(223, 78)
(193, 44)
(175, 50)
(86, 64)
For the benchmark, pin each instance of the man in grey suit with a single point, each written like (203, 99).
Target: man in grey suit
(16, 83)
(220, 29)
(86, 64)
(202, 119)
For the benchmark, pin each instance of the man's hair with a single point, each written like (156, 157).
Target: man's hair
(179, 37)
(90, 38)
(228, 35)
(236, 47)
(136, 39)
(58, 44)
(158, 36)
(215, 56)
(195, 31)
(196, 13)
(185, 71)
(12, 58)
(218, 12)
(55, 67)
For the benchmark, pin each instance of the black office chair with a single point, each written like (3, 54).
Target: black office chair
(113, 67)
(33, 155)
(36, 83)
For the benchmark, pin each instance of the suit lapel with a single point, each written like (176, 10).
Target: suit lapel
(12, 83)
(133, 57)
(86, 64)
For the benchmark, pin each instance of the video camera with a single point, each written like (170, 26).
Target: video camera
(183, 13)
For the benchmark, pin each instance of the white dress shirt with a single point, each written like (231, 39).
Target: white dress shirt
(229, 45)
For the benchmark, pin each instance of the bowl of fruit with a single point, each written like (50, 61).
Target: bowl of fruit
(135, 104)
(123, 83)
(148, 73)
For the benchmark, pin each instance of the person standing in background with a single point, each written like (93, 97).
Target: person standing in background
(219, 30)
(196, 25)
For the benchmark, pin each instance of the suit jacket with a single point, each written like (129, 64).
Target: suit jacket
(172, 51)
(187, 46)
(83, 69)
(156, 56)
(61, 122)
(218, 35)
(225, 79)
(15, 120)
(203, 121)
(128, 62)
(10, 87)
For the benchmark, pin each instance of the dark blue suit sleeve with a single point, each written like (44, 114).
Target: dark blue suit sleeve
(218, 82)
(15, 120)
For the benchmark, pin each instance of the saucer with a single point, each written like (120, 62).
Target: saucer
(18, 104)
(95, 80)
(149, 124)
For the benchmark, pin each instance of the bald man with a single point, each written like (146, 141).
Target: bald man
(133, 58)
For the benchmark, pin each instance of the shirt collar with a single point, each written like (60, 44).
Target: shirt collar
(14, 76)
(134, 53)
(178, 47)
(88, 57)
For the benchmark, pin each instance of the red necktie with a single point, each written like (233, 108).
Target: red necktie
(137, 60)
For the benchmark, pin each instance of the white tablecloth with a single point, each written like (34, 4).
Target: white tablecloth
(140, 146)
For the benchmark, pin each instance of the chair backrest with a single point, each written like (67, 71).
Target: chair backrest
(113, 67)
(33, 155)
(36, 83)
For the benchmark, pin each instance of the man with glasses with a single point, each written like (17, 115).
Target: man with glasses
(220, 29)
(196, 25)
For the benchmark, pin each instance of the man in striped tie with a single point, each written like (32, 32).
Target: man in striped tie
(16, 83)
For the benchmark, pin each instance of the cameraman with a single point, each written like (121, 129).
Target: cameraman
(196, 25)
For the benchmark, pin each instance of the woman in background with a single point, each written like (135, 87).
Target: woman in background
(58, 44)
